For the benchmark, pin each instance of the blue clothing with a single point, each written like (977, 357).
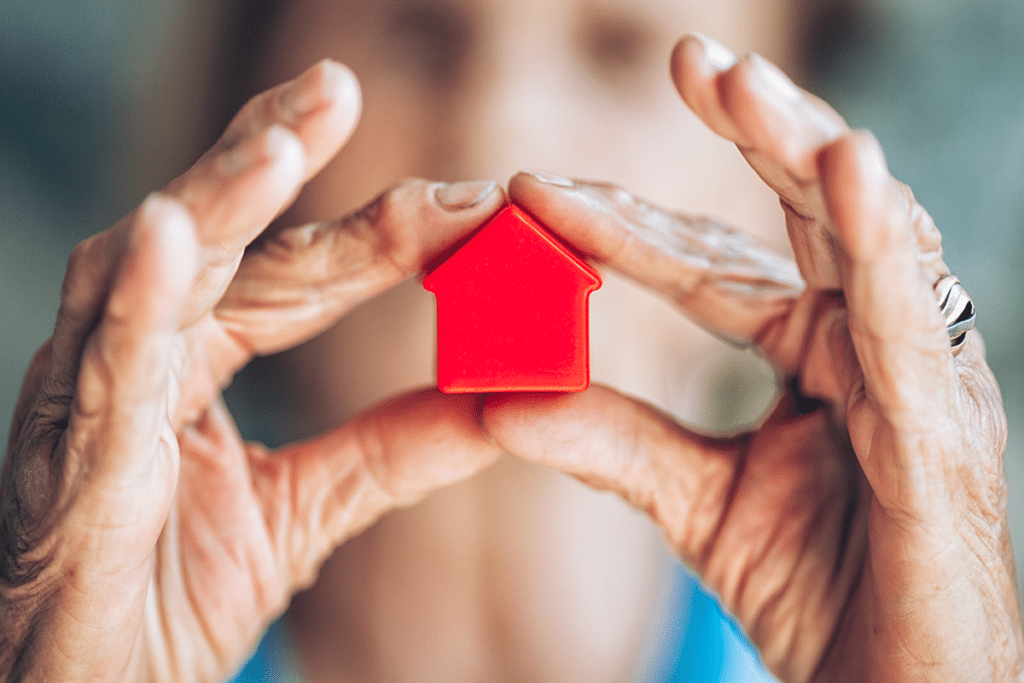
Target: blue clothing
(702, 646)
(271, 662)
(711, 648)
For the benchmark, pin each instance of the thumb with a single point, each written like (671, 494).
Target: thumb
(612, 442)
(321, 492)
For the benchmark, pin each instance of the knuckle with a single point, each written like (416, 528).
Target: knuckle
(387, 207)
(999, 430)
(393, 203)
(27, 512)
(244, 124)
(41, 423)
(159, 208)
(391, 217)
(995, 425)
(121, 372)
(372, 446)
(81, 277)
(95, 385)
(79, 255)
(983, 400)
(49, 418)
(22, 563)
(929, 239)
(26, 587)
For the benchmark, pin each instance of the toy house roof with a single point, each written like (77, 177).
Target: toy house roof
(512, 245)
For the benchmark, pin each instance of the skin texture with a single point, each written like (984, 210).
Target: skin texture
(125, 475)
(867, 509)
(871, 504)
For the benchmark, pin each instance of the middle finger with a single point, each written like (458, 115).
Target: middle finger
(783, 131)
(276, 142)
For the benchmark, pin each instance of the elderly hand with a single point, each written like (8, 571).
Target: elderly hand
(860, 533)
(141, 538)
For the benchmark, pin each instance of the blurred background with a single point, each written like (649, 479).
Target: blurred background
(85, 97)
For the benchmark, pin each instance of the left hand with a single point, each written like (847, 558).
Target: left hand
(859, 533)
(140, 537)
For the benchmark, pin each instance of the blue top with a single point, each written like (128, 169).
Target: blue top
(702, 645)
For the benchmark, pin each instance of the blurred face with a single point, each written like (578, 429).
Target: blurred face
(462, 89)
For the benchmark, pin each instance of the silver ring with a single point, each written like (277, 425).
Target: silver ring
(957, 308)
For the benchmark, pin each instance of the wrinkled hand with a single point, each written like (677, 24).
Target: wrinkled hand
(860, 533)
(141, 538)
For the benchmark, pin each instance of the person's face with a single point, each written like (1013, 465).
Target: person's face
(463, 89)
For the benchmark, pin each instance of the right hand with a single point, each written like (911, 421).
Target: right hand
(140, 537)
(859, 531)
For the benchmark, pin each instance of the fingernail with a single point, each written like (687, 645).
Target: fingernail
(551, 178)
(307, 92)
(464, 195)
(716, 56)
(774, 80)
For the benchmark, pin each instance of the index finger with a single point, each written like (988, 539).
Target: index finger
(719, 275)
(300, 280)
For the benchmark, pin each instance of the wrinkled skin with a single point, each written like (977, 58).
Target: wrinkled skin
(144, 540)
(142, 537)
(870, 507)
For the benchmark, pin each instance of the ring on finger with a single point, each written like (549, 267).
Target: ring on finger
(957, 309)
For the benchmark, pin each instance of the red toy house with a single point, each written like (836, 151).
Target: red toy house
(512, 311)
